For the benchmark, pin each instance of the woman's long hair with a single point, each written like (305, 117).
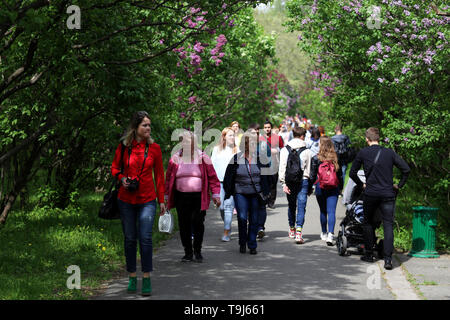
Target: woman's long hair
(223, 141)
(327, 152)
(315, 133)
(131, 133)
(245, 141)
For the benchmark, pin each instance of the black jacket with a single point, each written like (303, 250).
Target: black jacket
(379, 176)
(230, 175)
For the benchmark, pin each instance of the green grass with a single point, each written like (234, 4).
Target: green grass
(37, 246)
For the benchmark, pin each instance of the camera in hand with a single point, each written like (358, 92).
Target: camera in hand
(133, 184)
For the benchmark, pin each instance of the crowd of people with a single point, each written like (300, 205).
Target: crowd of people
(241, 178)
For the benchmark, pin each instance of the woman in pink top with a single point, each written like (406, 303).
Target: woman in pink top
(190, 177)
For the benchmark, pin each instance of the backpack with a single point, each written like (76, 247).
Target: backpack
(327, 176)
(340, 148)
(294, 172)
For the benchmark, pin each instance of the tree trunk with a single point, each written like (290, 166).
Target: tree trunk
(20, 181)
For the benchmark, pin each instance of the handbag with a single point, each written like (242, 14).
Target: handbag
(109, 209)
(262, 199)
(166, 222)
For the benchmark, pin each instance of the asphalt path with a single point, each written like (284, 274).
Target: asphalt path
(282, 269)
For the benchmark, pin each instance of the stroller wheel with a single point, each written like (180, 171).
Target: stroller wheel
(341, 244)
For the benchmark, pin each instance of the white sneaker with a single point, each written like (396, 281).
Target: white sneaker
(298, 237)
(330, 239)
(323, 236)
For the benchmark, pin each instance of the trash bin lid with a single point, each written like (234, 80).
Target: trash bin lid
(423, 208)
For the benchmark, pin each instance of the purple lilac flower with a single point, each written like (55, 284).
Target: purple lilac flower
(195, 59)
(428, 60)
(198, 47)
(192, 99)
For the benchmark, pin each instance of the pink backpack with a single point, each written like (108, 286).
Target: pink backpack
(327, 176)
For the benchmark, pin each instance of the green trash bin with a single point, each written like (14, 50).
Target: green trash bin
(424, 232)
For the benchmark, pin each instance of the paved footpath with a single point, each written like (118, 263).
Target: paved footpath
(282, 269)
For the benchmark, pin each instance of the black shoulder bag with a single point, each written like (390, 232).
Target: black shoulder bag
(110, 209)
(262, 199)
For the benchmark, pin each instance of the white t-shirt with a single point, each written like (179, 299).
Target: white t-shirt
(220, 160)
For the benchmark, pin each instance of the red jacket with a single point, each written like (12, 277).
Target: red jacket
(210, 182)
(146, 191)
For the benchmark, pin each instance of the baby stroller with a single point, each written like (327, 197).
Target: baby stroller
(351, 232)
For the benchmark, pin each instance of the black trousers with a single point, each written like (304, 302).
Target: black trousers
(273, 190)
(386, 208)
(190, 220)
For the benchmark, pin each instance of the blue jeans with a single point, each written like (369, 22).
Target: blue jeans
(327, 200)
(248, 209)
(297, 198)
(227, 206)
(262, 217)
(130, 214)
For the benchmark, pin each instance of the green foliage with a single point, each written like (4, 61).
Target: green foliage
(38, 245)
(393, 77)
(66, 92)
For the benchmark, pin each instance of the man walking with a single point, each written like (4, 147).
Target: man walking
(294, 172)
(341, 146)
(275, 142)
(379, 192)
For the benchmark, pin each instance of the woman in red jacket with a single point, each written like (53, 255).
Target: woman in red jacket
(189, 179)
(137, 194)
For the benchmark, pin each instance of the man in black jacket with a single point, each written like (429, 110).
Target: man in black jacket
(379, 191)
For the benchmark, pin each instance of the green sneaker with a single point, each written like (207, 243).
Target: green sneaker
(132, 284)
(146, 286)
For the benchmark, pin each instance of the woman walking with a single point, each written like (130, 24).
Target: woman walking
(243, 181)
(137, 195)
(326, 169)
(314, 141)
(189, 179)
(221, 156)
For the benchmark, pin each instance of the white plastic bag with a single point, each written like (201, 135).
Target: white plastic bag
(166, 222)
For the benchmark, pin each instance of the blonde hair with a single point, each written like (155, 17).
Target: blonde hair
(235, 122)
(327, 152)
(136, 120)
(223, 141)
